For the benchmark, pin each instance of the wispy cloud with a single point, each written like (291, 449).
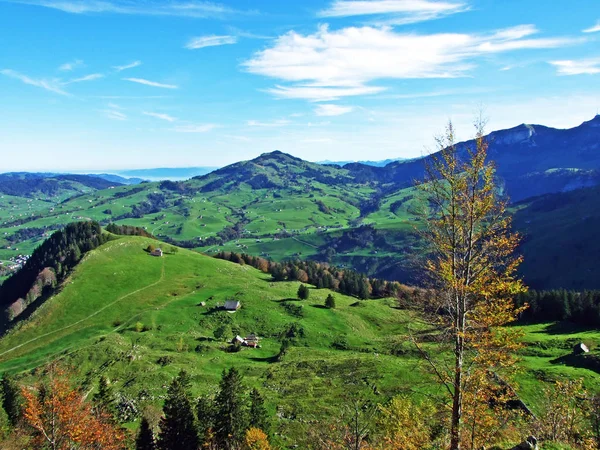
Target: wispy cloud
(577, 67)
(49, 85)
(274, 123)
(127, 66)
(329, 65)
(160, 116)
(151, 83)
(67, 67)
(202, 128)
(332, 110)
(90, 77)
(191, 8)
(593, 29)
(209, 41)
(114, 115)
(398, 12)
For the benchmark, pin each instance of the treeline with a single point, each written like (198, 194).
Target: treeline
(582, 308)
(127, 230)
(321, 275)
(49, 264)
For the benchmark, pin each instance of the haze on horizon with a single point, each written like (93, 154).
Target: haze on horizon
(90, 86)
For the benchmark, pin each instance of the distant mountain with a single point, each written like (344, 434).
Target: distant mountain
(25, 184)
(165, 173)
(381, 163)
(530, 160)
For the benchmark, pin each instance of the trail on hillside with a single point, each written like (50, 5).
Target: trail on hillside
(305, 243)
(160, 279)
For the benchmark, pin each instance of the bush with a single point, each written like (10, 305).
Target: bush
(164, 360)
(330, 302)
(150, 248)
(139, 327)
(303, 292)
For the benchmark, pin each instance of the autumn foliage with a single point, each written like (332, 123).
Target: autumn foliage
(60, 418)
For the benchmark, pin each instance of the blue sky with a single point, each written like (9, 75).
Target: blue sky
(114, 84)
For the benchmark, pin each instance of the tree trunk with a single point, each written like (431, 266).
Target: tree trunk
(455, 429)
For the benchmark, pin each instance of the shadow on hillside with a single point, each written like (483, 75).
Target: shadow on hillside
(320, 306)
(287, 300)
(563, 328)
(267, 359)
(590, 362)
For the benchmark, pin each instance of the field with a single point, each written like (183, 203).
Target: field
(138, 320)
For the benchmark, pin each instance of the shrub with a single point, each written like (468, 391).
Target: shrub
(303, 292)
(330, 302)
(164, 360)
(139, 327)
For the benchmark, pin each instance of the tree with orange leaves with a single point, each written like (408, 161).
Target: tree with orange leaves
(60, 418)
(256, 439)
(473, 266)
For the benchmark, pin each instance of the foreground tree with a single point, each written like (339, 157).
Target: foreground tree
(145, 438)
(11, 399)
(177, 427)
(303, 292)
(59, 418)
(230, 417)
(473, 268)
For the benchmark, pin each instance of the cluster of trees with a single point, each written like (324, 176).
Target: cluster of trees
(127, 230)
(54, 414)
(321, 275)
(582, 308)
(49, 264)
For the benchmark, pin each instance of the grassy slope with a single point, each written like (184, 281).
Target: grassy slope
(91, 325)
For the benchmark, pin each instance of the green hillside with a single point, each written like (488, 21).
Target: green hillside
(139, 319)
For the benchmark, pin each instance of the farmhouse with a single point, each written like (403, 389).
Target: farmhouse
(157, 252)
(232, 305)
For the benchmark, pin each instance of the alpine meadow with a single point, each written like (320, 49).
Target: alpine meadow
(320, 225)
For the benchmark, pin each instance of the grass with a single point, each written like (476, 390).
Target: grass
(91, 326)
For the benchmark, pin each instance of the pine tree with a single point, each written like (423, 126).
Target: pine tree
(104, 398)
(330, 302)
(230, 420)
(11, 399)
(259, 417)
(205, 413)
(145, 438)
(177, 427)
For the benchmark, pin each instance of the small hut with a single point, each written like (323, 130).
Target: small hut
(580, 349)
(232, 305)
(157, 252)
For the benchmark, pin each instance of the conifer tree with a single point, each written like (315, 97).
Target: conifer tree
(177, 427)
(303, 292)
(230, 420)
(11, 399)
(104, 397)
(205, 414)
(145, 438)
(259, 417)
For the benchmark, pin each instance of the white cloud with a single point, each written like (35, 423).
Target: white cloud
(593, 29)
(160, 116)
(202, 128)
(397, 12)
(328, 65)
(90, 77)
(66, 67)
(49, 85)
(127, 66)
(274, 123)
(209, 41)
(191, 8)
(114, 115)
(577, 67)
(332, 110)
(151, 83)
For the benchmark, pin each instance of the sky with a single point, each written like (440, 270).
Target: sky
(119, 84)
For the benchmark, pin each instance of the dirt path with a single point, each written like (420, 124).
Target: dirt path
(160, 279)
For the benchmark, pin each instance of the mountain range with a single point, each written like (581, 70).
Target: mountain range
(357, 215)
